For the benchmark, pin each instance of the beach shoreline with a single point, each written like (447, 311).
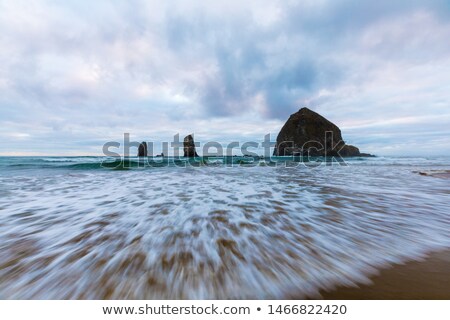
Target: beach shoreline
(428, 278)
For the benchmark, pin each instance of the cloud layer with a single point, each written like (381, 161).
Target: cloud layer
(76, 74)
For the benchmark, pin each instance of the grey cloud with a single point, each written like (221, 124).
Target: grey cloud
(77, 66)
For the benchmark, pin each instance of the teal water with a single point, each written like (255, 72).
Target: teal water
(130, 163)
(93, 227)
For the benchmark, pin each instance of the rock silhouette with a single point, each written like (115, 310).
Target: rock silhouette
(189, 147)
(142, 150)
(308, 133)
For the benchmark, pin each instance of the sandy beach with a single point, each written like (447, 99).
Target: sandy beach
(426, 279)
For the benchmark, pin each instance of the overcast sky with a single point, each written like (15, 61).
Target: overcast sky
(75, 74)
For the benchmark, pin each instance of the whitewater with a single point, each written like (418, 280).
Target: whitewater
(88, 228)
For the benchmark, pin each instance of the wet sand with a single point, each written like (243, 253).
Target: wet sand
(427, 279)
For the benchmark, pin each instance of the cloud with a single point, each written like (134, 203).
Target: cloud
(75, 74)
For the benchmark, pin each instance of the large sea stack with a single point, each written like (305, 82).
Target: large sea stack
(308, 133)
(142, 150)
(189, 147)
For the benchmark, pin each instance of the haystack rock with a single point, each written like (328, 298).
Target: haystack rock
(189, 147)
(142, 150)
(307, 132)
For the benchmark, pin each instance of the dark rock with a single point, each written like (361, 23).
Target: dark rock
(189, 147)
(308, 133)
(367, 155)
(349, 151)
(142, 150)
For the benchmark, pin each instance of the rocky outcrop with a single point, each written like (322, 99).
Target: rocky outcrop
(349, 151)
(189, 147)
(142, 150)
(308, 133)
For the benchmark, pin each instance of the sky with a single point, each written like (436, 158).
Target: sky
(76, 74)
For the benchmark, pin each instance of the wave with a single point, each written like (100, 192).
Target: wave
(96, 163)
(134, 163)
(212, 232)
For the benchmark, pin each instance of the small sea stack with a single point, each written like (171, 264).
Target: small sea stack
(189, 147)
(142, 150)
(308, 133)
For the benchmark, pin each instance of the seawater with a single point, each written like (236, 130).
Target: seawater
(73, 229)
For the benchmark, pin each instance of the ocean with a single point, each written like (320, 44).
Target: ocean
(93, 228)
